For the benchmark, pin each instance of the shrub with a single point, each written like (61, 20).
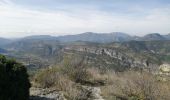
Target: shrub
(53, 78)
(75, 69)
(46, 77)
(14, 82)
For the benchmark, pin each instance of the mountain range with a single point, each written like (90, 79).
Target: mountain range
(101, 50)
(93, 37)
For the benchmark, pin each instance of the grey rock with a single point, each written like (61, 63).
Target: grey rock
(45, 94)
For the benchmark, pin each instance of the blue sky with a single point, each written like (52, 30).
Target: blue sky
(20, 18)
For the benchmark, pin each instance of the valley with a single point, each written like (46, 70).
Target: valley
(42, 51)
(78, 69)
(84, 49)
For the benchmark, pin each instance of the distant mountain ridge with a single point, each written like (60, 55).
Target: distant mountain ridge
(92, 37)
(4, 41)
(153, 36)
(108, 37)
(39, 37)
(96, 37)
(167, 36)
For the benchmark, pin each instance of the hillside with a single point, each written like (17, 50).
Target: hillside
(37, 53)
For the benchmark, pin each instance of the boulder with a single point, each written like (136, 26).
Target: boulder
(165, 68)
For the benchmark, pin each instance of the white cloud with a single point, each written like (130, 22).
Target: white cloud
(18, 21)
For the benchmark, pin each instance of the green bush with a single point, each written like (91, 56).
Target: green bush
(14, 82)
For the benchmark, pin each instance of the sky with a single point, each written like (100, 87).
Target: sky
(19, 18)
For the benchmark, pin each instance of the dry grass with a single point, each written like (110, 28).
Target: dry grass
(53, 78)
(56, 78)
(136, 86)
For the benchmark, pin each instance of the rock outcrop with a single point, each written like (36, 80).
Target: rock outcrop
(45, 94)
(165, 68)
(125, 59)
(93, 93)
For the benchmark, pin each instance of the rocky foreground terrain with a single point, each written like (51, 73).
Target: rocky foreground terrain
(94, 93)
(45, 94)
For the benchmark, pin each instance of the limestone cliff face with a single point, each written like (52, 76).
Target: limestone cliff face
(123, 57)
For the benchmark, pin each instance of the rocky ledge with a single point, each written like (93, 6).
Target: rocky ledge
(93, 93)
(45, 94)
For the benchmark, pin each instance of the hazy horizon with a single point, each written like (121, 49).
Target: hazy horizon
(20, 18)
(57, 35)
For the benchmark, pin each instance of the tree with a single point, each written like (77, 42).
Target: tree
(14, 82)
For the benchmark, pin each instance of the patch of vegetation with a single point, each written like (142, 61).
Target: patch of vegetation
(69, 78)
(14, 82)
(133, 85)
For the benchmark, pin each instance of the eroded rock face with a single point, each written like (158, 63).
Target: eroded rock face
(127, 59)
(94, 93)
(45, 94)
